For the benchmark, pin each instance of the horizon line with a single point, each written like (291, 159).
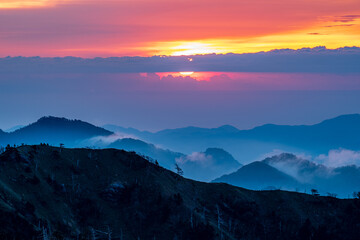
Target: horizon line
(322, 47)
(188, 126)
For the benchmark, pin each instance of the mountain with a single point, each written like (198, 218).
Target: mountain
(287, 171)
(166, 158)
(208, 165)
(201, 166)
(76, 133)
(342, 131)
(342, 181)
(127, 131)
(13, 129)
(248, 145)
(190, 131)
(54, 131)
(58, 193)
(2, 133)
(259, 176)
(222, 157)
(303, 170)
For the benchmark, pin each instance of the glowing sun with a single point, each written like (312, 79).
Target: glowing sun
(186, 73)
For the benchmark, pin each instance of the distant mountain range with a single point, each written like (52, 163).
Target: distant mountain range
(248, 145)
(184, 146)
(76, 133)
(289, 172)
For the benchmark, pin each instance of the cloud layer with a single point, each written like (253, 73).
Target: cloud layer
(306, 60)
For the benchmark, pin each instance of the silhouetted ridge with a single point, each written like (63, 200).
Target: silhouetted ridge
(348, 120)
(55, 130)
(85, 194)
(166, 158)
(228, 129)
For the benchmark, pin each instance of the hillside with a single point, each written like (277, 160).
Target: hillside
(166, 158)
(53, 193)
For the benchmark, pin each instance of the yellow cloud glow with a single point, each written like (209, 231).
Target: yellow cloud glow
(191, 48)
(330, 34)
(13, 4)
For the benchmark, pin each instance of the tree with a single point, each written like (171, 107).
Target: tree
(315, 192)
(179, 171)
(61, 146)
(356, 195)
(8, 147)
(333, 195)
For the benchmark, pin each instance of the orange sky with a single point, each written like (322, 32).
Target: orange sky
(90, 28)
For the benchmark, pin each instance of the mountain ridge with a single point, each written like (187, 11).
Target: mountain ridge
(259, 176)
(54, 130)
(339, 132)
(301, 175)
(77, 193)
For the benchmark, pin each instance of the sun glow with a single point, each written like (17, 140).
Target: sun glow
(187, 48)
(186, 73)
(198, 76)
(325, 33)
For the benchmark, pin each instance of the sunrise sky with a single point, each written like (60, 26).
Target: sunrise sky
(89, 28)
(153, 93)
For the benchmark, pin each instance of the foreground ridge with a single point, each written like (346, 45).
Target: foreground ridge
(58, 193)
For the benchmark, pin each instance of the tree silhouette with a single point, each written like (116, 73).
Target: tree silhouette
(315, 192)
(179, 171)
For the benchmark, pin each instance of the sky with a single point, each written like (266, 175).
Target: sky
(164, 89)
(89, 28)
(156, 101)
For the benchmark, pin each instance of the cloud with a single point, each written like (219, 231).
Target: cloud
(305, 60)
(298, 165)
(346, 18)
(104, 141)
(306, 168)
(339, 158)
(34, 4)
(340, 25)
(195, 157)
